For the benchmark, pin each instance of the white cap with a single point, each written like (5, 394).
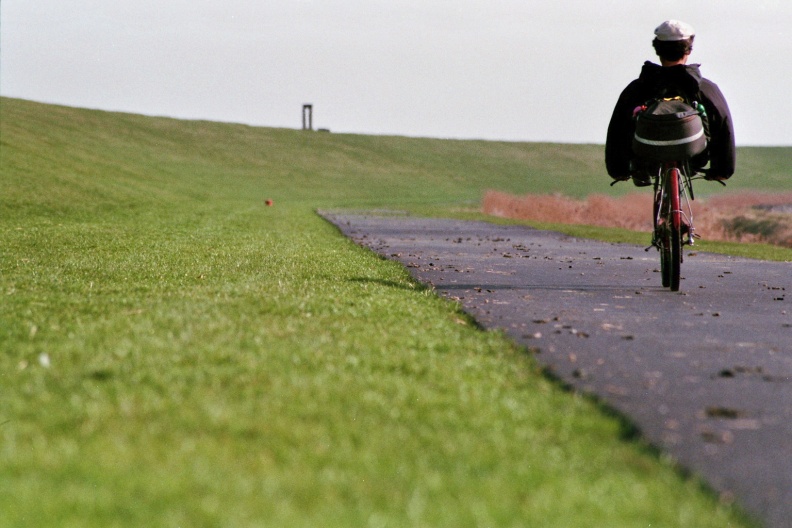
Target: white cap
(672, 30)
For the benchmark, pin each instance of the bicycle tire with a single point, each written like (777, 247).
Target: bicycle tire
(661, 238)
(674, 225)
(665, 259)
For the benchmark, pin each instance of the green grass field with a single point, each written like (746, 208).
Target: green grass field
(175, 353)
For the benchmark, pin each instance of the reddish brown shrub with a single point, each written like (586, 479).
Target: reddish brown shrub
(729, 217)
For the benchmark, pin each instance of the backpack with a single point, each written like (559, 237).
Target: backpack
(670, 128)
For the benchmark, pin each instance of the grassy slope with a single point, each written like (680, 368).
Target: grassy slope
(175, 353)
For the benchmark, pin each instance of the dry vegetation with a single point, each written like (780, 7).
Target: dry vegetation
(746, 217)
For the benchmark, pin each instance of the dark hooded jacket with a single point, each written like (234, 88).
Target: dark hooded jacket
(652, 81)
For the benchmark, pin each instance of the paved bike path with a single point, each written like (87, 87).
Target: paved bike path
(705, 373)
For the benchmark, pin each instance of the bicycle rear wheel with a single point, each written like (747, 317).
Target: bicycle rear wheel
(668, 224)
(674, 226)
(665, 259)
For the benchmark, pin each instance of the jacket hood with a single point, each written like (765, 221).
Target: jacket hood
(686, 77)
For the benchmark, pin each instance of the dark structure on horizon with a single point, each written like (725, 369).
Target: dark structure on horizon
(307, 117)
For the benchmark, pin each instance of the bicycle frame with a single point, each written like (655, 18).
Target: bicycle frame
(680, 212)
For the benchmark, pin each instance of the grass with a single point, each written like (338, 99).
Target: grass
(175, 353)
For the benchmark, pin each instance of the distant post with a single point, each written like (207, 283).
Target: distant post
(307, 117)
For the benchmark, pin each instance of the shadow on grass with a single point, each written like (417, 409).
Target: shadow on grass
(414, 287)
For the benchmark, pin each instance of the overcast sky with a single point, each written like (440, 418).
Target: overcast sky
(494, 69)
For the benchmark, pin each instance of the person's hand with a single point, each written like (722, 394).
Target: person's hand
(641, 178)
(715, 177)
(617, 179)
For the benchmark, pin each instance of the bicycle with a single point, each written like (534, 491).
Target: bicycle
(672, 216)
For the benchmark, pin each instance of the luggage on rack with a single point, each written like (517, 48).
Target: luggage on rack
(669, 129)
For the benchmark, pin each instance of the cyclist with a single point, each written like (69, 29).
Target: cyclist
(673, 43)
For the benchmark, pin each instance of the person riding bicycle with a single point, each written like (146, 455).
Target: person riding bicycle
(673, 44)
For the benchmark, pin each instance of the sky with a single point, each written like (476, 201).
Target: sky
(515, 70)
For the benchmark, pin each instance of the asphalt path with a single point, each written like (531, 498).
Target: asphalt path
(705, 374)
